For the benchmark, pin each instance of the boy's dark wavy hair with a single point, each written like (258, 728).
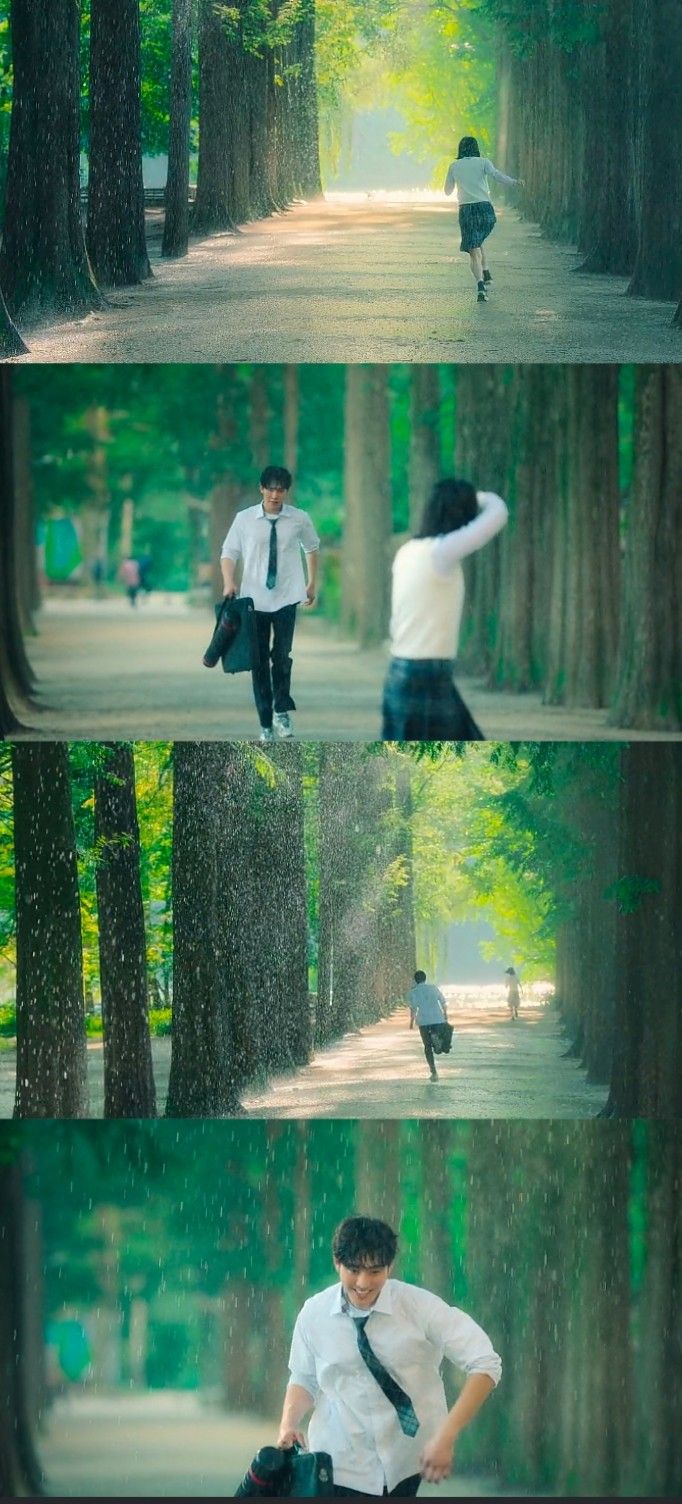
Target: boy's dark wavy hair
(364, 1240)
(452, 504)
(276, 475)
(468, 147)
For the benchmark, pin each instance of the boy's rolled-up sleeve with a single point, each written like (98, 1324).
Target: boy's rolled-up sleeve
(302, 1366)
(232, 547)
(309, 538)
(464, 1342)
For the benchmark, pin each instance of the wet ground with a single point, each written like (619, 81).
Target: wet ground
(363, 277)
(497, 1068)
(105, 670)
(166, 1446)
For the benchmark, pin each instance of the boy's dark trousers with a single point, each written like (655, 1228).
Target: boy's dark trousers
(272, 672)
(425, 1031)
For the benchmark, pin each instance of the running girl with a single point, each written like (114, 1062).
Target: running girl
(421, 702)
(469, 175)
(513, 986)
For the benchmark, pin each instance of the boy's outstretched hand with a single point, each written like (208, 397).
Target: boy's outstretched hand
(437, 1458)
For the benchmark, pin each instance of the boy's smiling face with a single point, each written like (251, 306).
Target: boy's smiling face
(362, 1283)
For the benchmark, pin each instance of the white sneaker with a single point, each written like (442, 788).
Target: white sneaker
(281, 722)
(266, 734)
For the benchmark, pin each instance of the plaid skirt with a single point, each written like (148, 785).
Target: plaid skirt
(422, 704)
(476, 221)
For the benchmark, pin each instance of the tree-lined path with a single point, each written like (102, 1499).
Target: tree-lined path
(497, 1068)
(367, 278)
(105, 670)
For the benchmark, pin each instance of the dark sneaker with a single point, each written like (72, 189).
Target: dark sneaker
(433, 1076)
(487, 277)
(481, 293)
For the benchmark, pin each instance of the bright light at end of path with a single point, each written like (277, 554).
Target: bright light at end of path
(470, 996)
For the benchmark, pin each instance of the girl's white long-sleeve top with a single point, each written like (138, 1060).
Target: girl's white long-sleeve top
(428, 584)
(469, 175)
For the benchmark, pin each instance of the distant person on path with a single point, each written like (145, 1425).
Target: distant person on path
(366, 1358)
(129, 574)
(270, 540)
(428, 1009)
(421, 702)
(477, 219)
(145, 565)
(513, 987)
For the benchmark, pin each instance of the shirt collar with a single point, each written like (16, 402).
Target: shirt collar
(383, 1303)
(262, 512)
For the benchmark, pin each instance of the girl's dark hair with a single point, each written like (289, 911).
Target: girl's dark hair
(452, 504)
(364, 1240)
(468, 147)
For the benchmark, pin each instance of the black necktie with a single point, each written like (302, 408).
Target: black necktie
(401, 1401)
(272, 558)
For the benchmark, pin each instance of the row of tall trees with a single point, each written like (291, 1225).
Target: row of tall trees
(562, 1240)
(336, 869)
(576, 599)
(257, 128)
(588, 117)
(255, 897)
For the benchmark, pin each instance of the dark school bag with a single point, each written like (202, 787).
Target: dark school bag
(277, 1473)
(441, 1039)
(234, 638)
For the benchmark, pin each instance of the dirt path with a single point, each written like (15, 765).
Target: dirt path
(107, 671)
(367, 278)
(166, 1446)
(497, 1069)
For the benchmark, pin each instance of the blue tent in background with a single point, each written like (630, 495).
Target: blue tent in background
(59, 540)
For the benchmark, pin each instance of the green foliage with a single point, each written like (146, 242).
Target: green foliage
(8, 1021)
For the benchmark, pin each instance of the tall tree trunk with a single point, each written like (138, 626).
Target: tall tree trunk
(277, 963)
(16, 676)
(592, 552)
(20, 1471)
(27, 588)
(44, 267)
(658, 265)
(51, 1057)
(292, 403)
(116, 228)
(609, 230)
(647, 1071)
(307, 108)
(661, 1354)
(11, 342)
(649, 676)
(368, 522)
(424, 454)
(176, 220)
(220, 73)
(128, 1076)
(203, 1075)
